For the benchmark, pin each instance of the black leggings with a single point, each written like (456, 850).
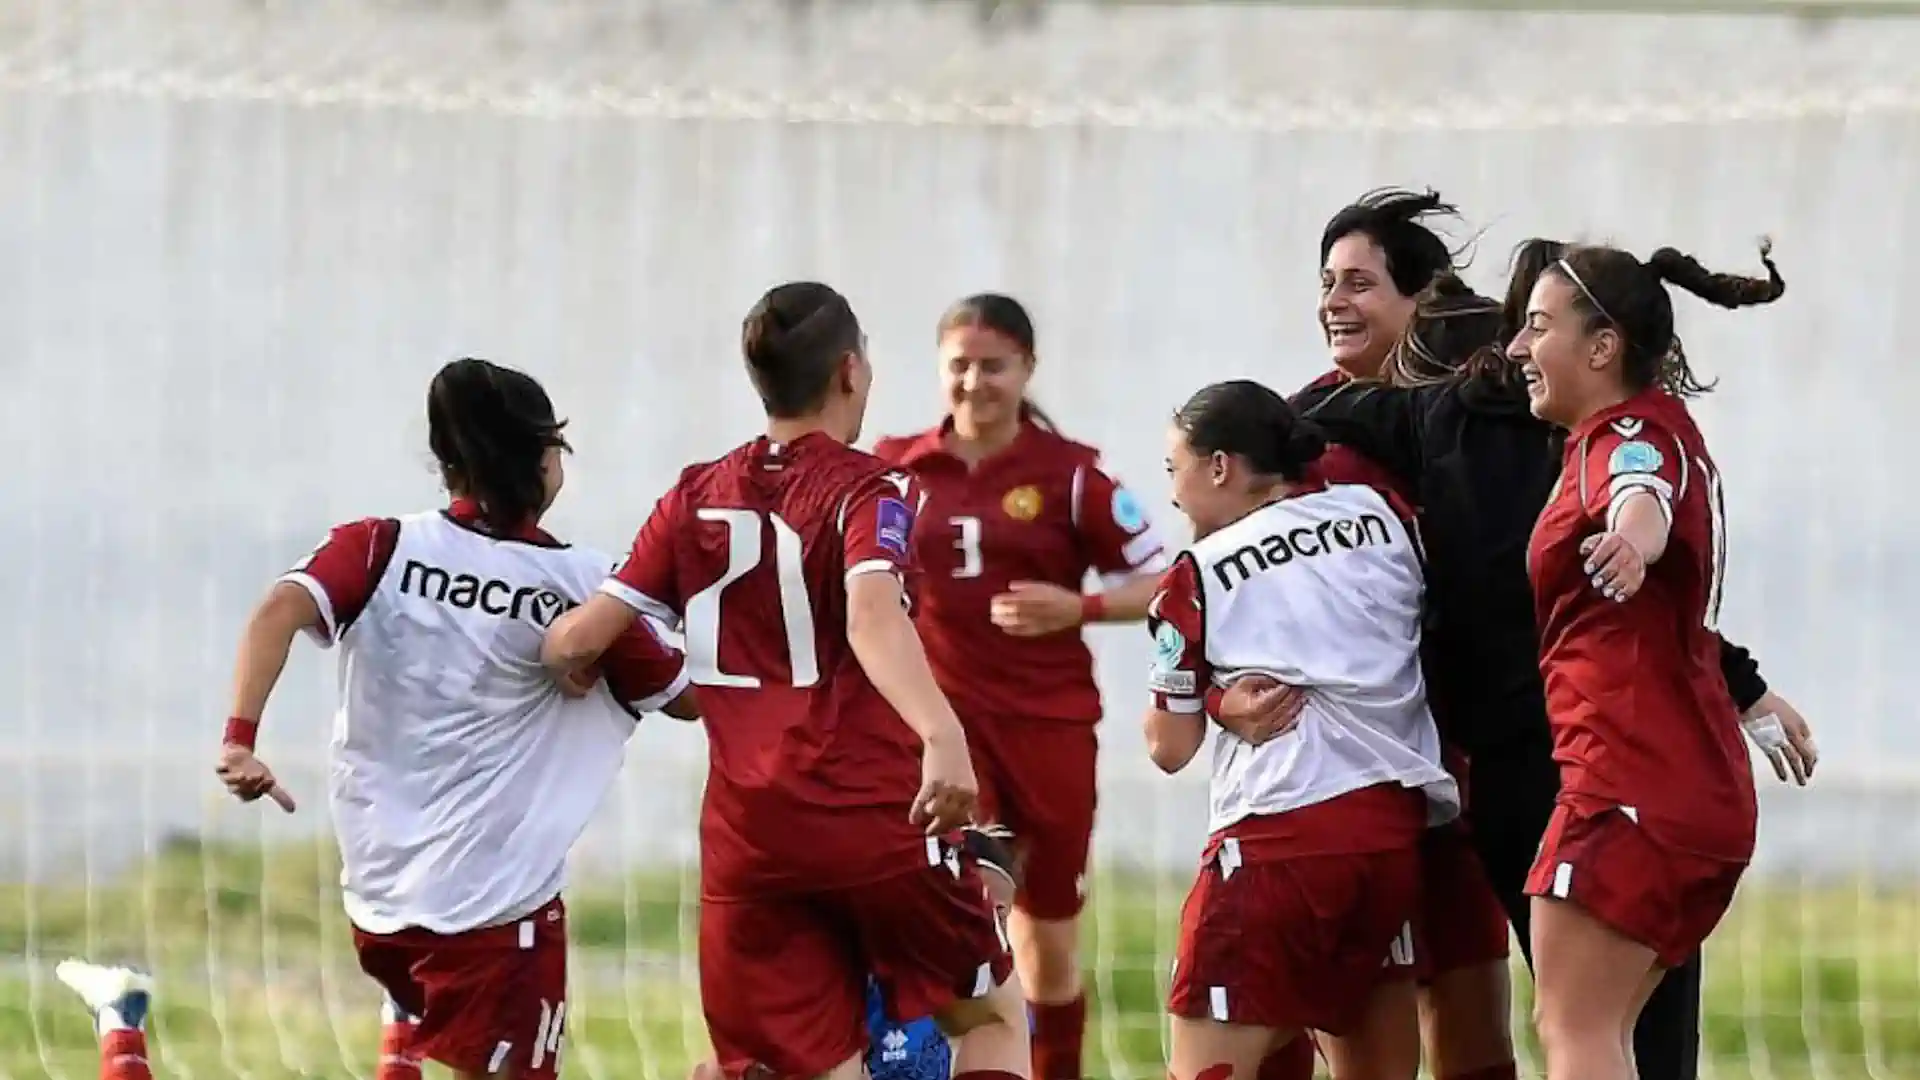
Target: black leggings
(1511, 796)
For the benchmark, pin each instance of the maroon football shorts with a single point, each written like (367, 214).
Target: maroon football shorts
(488, 999)
(1461, 923)
(783, 980)
(1295, 943)
(1037, 778)
(1664, 898)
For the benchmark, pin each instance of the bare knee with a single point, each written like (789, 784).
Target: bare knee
(1047, 952)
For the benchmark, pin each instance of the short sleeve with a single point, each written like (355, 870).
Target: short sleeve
(1627, 456)
(1178, 623)
(1113, 525)
(646, 581)
(642, 670)
(876, 525)
(343, 571)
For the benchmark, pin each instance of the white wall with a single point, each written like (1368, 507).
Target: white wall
(234, 243)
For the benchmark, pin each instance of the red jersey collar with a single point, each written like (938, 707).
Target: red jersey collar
(1335, 377)
(933, 441)
(467, 512)
(1640, 401)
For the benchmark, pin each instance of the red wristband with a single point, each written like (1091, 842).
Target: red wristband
(1093, 608)
(241, 732)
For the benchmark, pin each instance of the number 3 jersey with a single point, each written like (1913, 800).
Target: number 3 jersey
(811, 773)
(1322, 591)
(1640, 711)
(1042, 509)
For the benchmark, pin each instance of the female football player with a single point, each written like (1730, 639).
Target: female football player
(1016, 518)
(1656, 816)
(454, 750)
(1313, 867)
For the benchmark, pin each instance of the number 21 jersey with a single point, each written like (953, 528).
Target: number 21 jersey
(811, 773)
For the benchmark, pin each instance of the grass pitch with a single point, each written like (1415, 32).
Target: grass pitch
(257, 980)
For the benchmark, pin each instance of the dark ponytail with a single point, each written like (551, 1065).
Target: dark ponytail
(1251, 422)
(1612, 288)
(1003, 315)
(489, 428)
(1722, 290)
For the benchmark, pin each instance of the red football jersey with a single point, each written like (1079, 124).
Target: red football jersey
(347, 566)
(812, 773)
(1640, 712)
(1040, 510)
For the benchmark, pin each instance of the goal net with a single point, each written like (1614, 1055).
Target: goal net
(236, 237)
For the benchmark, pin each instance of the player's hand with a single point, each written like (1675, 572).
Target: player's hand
(1783, 735)
(1616, 567)
(1258, 708)
(1036, 609)
(578, 682)
(707, 1070)
(247, 777)
(948, 788)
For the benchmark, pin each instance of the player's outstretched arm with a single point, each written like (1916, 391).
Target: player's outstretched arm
(577, 638)
(265, 643)
(888, 647)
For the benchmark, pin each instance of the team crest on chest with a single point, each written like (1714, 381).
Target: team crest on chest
(1022, 503)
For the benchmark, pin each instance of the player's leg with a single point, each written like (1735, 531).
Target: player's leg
(1465, 996)
(1049, 795)
(1611, 908)
(1590, 980)
(1383, 1042)
(1292, 1060)
(119, 999)
(491, 1003)
(783, 986)
(398, 1059)
(937, 949)
(1666, 1038)
(1458, 1030)
(1200, 1049)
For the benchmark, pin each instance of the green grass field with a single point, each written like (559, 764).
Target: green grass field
(256, 979)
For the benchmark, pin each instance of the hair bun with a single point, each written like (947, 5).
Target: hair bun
(1305, 441)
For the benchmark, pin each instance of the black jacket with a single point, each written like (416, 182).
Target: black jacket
(1480, 466)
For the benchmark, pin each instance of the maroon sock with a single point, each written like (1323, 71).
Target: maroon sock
(1509, 1071)
(397, 1059)
(1057, 1034)
(123, 1055)
(986, 1074)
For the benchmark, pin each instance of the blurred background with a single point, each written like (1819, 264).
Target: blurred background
(238, 236)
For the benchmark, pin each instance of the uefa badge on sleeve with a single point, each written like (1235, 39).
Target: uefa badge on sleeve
(893, 526)
(1127, 513)
(1169, 645)
(1634, 457)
